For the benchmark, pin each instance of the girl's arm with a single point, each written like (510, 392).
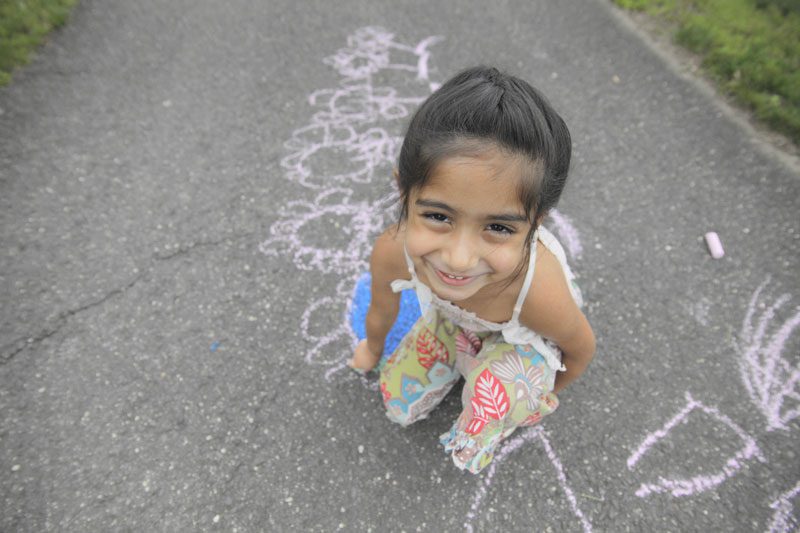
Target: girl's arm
(550, 311)
(386, 265)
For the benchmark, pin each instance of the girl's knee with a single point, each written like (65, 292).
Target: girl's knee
(408, 399)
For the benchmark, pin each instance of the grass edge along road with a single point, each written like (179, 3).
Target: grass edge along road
(23, 26)
(750, 48)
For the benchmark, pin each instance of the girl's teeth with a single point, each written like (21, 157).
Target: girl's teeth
(455, 277)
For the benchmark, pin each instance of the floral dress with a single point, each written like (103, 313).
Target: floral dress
(509, 370)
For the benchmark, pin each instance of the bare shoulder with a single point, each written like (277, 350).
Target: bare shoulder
(388, 258)
(549, 308)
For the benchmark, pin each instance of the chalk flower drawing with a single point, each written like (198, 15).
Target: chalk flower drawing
(350, 123)
(769, 378)
(347, 140)
(359, 221)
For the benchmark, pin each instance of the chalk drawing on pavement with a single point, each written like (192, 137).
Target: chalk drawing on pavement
(702, 482)
(770, 379)
(783, 521)
(352, 137)
(528, 435)
(352, 120)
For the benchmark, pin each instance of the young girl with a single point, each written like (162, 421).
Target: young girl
(484, 160)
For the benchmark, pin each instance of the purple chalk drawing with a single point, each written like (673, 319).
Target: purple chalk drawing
(768, 377)
(698, 483)
(528, 435)
(372, 49)
(333, 208)
(350, 125)
(347, 142)
(783, 521)
(770, 380)
(568, 234)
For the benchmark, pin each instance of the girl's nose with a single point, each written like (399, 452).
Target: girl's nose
(460, 255)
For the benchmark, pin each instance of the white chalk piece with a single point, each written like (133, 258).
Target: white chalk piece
(714, 245)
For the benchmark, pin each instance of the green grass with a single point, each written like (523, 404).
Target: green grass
(23, 25)
(751, 48)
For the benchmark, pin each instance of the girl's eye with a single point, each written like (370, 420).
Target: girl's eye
(438, 217)
(499, 228)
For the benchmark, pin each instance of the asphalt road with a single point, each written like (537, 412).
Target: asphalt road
(187, 194)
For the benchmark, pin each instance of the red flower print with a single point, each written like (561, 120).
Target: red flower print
(478, 418)
(430, 349)
(492, 395)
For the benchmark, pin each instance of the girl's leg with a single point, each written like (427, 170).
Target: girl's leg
(506, 387)
(421, 371)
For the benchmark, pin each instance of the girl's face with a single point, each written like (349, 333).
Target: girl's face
(466, 229)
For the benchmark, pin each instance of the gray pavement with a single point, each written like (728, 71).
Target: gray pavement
(187, 192)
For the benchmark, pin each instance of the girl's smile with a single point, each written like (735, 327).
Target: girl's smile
(456, 281)
(466, 228)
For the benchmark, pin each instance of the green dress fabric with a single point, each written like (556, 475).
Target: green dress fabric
(509, 370)
(506, 386)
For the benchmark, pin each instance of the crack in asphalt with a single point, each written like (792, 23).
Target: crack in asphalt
(27, 341)
(61, 320)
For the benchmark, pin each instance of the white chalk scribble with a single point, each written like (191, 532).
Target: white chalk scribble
(701, 482)
(770, 379)
(527, 435)
(351, 123)
(357, 221)
(352, 136)
(783, 521)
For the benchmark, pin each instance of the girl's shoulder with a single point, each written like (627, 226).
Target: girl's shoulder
(549, 308)
(388, 259)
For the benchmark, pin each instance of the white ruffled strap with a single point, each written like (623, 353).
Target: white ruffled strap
(424, 295)
(402, 285)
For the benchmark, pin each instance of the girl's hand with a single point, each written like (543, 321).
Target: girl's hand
(363, 359)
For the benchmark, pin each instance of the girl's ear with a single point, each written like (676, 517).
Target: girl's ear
(396, 176)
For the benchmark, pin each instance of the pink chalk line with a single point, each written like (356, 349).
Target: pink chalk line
(569, 235)
(330, 305)
(368, 51)
(362, 221)
(767, 376)
(511, 446)
(700, 483)
(783, 521)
